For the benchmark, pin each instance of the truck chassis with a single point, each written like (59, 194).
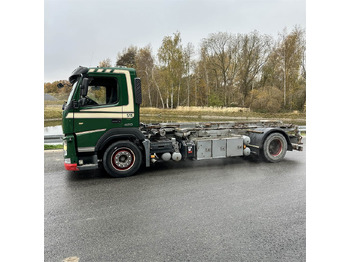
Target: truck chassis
(269, 140)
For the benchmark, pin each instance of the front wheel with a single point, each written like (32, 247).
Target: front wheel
(275, 147)
(122, 159)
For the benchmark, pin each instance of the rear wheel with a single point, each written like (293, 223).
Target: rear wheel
(275, 147)
(122, 159)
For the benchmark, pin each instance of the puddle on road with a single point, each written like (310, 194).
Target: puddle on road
(53, 130)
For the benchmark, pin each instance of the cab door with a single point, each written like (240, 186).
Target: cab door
(101, 110)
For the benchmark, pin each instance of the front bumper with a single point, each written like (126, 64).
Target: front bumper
(71, 167)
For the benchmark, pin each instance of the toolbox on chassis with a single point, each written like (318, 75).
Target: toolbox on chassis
(102, 129)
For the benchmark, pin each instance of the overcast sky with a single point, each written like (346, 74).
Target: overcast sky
(84, 32)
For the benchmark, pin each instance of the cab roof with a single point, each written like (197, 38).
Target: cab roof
(110, 69)
(84, 70)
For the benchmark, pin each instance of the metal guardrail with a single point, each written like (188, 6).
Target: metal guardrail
(302, 128)
(53, 139)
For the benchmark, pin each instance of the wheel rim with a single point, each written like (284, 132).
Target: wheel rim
(123, 159)
(275, 147)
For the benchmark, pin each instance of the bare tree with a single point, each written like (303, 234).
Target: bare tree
(105, 63)
(219, 52)
(144, 64)
(153, 73)
(188, 53)
(252, 56)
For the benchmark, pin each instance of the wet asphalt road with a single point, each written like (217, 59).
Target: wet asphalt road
(217, 210)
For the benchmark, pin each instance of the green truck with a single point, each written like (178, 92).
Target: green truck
(102, 129)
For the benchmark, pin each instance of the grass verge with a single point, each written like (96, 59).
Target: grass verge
(50, 147)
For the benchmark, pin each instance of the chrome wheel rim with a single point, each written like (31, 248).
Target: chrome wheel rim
(123, 159)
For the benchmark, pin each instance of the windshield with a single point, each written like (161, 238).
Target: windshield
(72, 92)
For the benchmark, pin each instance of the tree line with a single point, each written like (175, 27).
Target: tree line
(248, 70)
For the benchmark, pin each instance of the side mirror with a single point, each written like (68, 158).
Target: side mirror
(84, 87)
(75, 104)
(81, 102)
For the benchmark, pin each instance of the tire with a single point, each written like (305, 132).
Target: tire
(122, 159)
(275, 148)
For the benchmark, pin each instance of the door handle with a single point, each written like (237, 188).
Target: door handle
(116, 121)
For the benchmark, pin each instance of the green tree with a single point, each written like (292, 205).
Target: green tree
(214, 100)
(170, 55)
(52, 87)
(266, 100)
(127, 57)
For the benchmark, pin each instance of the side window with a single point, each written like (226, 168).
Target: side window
(97, 94)
(102, 91)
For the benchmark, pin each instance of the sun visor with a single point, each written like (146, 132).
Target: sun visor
(76, 73)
